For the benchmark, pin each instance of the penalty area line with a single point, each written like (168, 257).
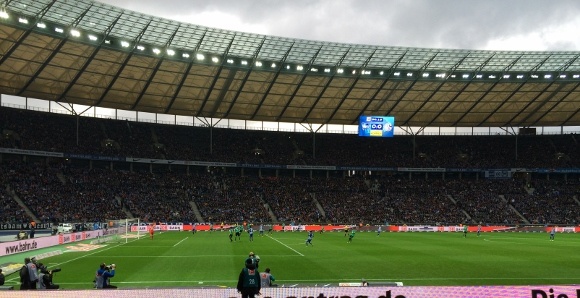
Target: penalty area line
(292, 249)
(180, 241)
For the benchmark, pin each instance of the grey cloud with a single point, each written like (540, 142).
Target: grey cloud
(466, 24)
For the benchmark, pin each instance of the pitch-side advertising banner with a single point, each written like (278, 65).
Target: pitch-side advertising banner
(14, 247)
(329, 228)
(328, 292)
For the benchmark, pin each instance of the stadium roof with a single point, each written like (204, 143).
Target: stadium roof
(90, 53)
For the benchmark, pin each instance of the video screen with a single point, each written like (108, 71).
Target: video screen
(376, 126)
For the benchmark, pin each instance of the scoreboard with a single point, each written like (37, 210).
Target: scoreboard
(376, 126)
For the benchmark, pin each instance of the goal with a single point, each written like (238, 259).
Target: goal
(119, 230)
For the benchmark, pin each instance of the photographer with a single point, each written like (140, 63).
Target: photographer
(45, 278)
(103, 275)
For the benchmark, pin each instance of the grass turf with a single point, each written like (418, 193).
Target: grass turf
(182, 259)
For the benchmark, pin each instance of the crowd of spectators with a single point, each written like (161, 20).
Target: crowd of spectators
(78, 196)
(138, 139)
(55, 190)
(548, 202)
(58, 192)
(11, 211)
(483, 200)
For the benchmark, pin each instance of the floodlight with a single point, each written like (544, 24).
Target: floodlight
(327, 70)
(244, 62)
(465, 76)
(93, 38)
(440, 75)
(258, 63)
(199, 56)
(156, 51)
(230, 61)
(141, 48)
(273, 65)
(4, 14)
(548, 76)
(396, 74)
(353, 72)
(425, 75)
(23, 20)
(314, 69)
(125, 44)
(41, 25)
(492, 76)
(366, 72)
(382, 72)
(299, 67)
(170, 52)
(215, 59)
(340, 70)
(506, 76)
(409, 74)
(562, 76)
(59, 30)
(479, 76)
(520, 76)
(534, 76)
(576, 76)
(75, 33)
(287, 66)
(107, 41)
(185, 55)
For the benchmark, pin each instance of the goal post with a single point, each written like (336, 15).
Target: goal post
(119, 230)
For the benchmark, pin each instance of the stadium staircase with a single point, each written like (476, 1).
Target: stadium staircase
(127, 212)
(104, 130)
(270, 212)
(318, 205)
(525, 220)
(196, 211)
(61, 178)
(154, 136)
(462, 210)
(19, 201)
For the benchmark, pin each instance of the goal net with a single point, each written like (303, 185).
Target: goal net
(120, 231)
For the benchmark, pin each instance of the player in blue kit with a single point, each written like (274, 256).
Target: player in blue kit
(309, 240)
(251, 233)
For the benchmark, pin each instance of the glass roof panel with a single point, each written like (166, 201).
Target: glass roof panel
(97, 17)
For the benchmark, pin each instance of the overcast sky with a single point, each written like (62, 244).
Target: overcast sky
(530, 25)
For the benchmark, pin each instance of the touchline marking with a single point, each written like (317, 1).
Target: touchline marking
(180, 241)
(292, 249)
(148, 246)
(330, 280)
(193, 256)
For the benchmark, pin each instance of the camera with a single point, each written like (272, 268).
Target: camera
(47, 276)
(45, 270)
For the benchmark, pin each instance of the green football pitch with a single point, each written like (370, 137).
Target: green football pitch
(183, 259)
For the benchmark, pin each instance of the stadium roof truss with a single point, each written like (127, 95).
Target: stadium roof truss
(90, 53)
